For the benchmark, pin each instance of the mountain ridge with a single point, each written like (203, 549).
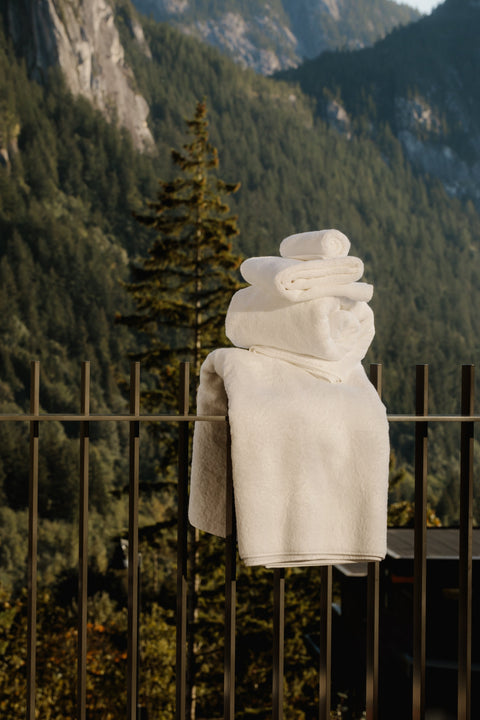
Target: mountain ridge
(280, 33)
(421, 80)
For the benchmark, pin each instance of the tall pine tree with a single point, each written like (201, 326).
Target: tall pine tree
(182, 289)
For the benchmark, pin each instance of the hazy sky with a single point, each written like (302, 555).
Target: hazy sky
(424, 6)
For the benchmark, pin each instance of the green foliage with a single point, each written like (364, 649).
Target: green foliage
(106, 660)
(401, 497)
(181, 290)
(254, 637)
(61, 257)
(157, 663)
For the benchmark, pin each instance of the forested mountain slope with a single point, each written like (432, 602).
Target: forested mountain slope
(422, 80)
(69, 181)
(297, 173)
(281, 33)
(82, 39)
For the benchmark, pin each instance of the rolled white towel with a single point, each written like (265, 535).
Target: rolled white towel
(298, 281)
(329, 328)
(315, 245)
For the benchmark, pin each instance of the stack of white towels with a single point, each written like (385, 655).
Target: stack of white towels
(309, 433)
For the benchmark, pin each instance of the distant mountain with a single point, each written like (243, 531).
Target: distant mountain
(83, 40)
(421, 80)
(278, 34)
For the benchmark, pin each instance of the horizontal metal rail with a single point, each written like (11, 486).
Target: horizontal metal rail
(433, 418)
(71, 417)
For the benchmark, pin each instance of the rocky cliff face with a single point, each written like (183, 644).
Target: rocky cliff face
(275, 35)
(419, 129)
(419, 125)
(82, 38)
(436, 117)
(238, 37)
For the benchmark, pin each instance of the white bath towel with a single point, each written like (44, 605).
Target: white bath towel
(333, 371)
(330, 328)
(298, 280)
(315, 244)
(309, 459)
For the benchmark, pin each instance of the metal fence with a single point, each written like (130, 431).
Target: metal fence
(421, 420)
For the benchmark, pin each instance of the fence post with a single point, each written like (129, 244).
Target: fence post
(373, 601)
(420, 545)
(133, 560)
(33, 540)
(465, 548)
(325, 673)
(278, 641)
(83, 545)
(182, 546)
(230, 588)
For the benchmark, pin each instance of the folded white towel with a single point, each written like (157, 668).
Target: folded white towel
(316, 244)
(329, 328)
(309, 459)
(298, 281)
(333, 371)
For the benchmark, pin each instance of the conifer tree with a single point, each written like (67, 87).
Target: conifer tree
(182, 289)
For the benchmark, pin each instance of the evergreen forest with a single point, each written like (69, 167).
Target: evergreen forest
(70, 184)
(419, 80)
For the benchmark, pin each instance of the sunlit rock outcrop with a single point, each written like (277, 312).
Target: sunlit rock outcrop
(82, 38)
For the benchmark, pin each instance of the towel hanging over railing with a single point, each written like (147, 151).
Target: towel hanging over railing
(309, 433)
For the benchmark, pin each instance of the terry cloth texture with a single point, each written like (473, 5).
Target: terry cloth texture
(299, 280)
(333, 332)
(315, 245)
(309, 434)
(309, 462)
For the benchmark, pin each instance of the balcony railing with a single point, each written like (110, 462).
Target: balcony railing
(421, 420)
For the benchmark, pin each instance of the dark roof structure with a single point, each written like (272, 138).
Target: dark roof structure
(442, 544)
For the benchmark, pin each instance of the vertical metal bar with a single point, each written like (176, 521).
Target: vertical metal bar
(325, 673)
(278, 642)
(420, 546)
(230, 590)
(373, 621)
(83, 546)
(465, 548)
(182, 545)
(373, 602)
(376, 377)
(132, 645)
(33, 540)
